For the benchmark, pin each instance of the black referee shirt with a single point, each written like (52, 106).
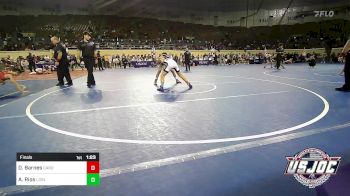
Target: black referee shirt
(87, 49)
(60, 48)
(187, 56)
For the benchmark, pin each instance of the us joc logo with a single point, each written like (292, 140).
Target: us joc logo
(312, 167)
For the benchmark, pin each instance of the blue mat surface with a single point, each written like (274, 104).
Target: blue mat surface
(229, 135)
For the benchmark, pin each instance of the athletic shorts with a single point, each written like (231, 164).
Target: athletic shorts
(170, 67)
(160, 66)
(2, 75)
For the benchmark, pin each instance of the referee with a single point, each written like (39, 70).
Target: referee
(279, 59)
(346, 52)
(60, 56)
(88, 52)
(187, 55)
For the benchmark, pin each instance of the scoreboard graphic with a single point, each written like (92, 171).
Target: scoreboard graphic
(58, 169)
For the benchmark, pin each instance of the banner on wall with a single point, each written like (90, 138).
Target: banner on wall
(203, 62)
(138, 64)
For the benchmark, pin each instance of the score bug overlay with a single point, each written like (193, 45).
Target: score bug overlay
(58, 169)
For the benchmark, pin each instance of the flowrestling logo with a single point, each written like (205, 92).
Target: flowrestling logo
(327, 14)
(312, 167)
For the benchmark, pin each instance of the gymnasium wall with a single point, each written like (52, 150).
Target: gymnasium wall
(262, 17)
(15, 54)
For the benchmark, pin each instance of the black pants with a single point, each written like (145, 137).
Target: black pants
(100, 64)
(31, 67)
(89, 64)
(125, 64)
(188, 66)
(278, 61)
(63, 72)
(347, 71)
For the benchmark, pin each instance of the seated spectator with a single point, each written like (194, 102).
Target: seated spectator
(24, 64)
(43, 67)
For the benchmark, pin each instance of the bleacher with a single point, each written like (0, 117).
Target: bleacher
(114, 32)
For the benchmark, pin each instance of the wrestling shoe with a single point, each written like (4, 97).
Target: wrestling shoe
(161, 89)
(190, 86)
